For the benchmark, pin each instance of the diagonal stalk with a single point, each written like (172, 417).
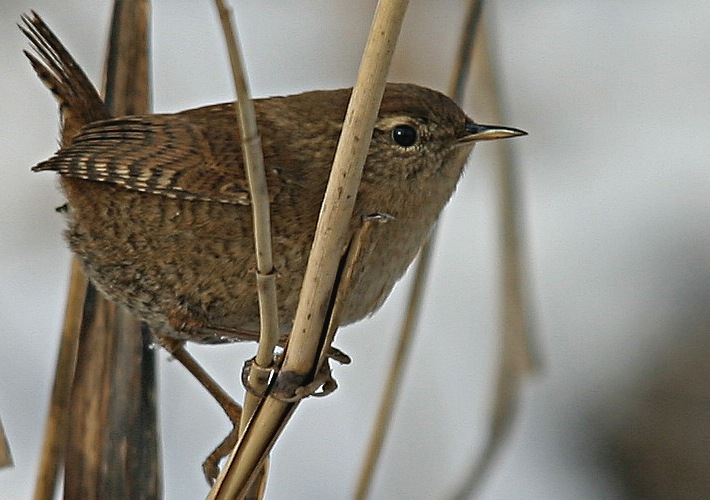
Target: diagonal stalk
(416, 293)
(301, 357)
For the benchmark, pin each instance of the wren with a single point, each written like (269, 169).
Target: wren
(158, 205)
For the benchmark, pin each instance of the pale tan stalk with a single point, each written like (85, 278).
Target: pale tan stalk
(302, 353)
(416, 293)
(258, 190)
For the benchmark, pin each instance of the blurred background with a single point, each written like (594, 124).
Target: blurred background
(615, 185)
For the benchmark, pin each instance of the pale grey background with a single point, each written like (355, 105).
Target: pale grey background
(615, 171)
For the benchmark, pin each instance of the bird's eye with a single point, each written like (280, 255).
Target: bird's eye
(404, 135)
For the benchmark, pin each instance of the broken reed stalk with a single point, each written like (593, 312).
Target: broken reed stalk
(117, 363)
(56, 428)
(5, 455)
(383, 419)
(259, 373)
(127, 463)
(301, 357)
(517, 355)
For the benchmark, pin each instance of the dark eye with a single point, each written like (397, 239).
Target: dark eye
(404, 135)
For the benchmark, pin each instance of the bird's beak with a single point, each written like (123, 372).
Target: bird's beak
(478, 132)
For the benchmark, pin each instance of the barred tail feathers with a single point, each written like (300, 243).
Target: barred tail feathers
(79, 102)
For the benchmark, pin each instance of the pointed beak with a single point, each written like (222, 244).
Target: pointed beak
(478, 132)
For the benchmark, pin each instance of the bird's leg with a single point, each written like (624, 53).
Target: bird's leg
(210, 466)
(246, 336)
(225, 334)
(177, 350)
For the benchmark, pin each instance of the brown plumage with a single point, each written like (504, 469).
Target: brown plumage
(158, 204)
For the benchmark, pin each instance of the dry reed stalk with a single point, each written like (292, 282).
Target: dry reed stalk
(5, 455)
(391, 389)
(301, 358)
(115, 356)
(258, 190)
(115, 359)
(259, 373)
(56, 428)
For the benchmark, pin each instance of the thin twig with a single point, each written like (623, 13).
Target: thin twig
(302, 352)
(391, 389)
(517, 357)
(462, 65)
(409, 323)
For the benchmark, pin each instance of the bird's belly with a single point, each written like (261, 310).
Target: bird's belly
(184, 265)
(178, 265)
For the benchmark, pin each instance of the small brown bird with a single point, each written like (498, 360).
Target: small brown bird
(158, 205)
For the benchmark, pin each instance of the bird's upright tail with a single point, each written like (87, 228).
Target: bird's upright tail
(79, 102)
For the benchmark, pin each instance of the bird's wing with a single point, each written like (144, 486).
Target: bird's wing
(158, 154)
